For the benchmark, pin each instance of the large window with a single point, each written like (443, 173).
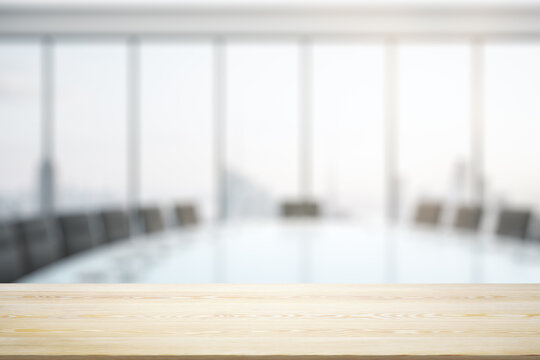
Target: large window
(19, 128)
(348, 129)
(263, 131)
(176, 124)
(433, 122)
(90, 120)
(262, 127)
(512, 123)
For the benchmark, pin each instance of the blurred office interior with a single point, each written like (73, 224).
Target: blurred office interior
(390, 141)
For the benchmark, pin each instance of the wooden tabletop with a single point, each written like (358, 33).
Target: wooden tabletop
(268, 321)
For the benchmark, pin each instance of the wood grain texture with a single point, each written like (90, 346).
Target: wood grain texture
(269, 321)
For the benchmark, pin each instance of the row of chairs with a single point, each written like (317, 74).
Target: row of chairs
(510, 222)
(30, 244)
(513, 223)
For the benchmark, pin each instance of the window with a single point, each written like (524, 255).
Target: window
(512, 123)
(90, 119)
(262, 127)
(433, 122)
(348, 129)
(177, 124)
(19, 128)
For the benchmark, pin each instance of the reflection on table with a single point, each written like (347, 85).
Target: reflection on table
(301, 251)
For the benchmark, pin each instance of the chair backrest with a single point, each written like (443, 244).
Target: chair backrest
(152, 219)
(300, 209)
(97, 229)
(12, 260)
(41, 246)
(513, 223)
(115, 224)
(468, 218)
(76, 233)
(428, 213)
(186, 215)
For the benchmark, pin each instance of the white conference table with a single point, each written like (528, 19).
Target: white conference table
(301, 252)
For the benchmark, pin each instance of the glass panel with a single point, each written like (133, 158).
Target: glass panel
(434, 123)
(90, 117)
(19, 128)
(348, 129)
(262, 127)
(176, 124)
(512, 123)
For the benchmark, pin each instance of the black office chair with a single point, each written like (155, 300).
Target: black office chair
(468, 218)
(513, 223)
(186, 215)
(97, 229)
(115, 224)
(300, 209)
(428, 213)
(76, 233)
(152, 219)
(12, 261)
(40, 243)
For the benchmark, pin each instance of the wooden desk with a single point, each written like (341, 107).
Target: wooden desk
(268, 321)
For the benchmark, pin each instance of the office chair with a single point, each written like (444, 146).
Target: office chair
(428, 213)
(300, 209)
(12, 261)
(513, 223)
(41, 244)
(468, 218)
(76, 233)
(186, 215)
(152, 219)
(115, 224)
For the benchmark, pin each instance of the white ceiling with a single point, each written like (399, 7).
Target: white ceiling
(291, 17)
(264, 3)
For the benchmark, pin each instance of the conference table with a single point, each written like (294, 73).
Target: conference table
(301, 251)
(223, 315)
